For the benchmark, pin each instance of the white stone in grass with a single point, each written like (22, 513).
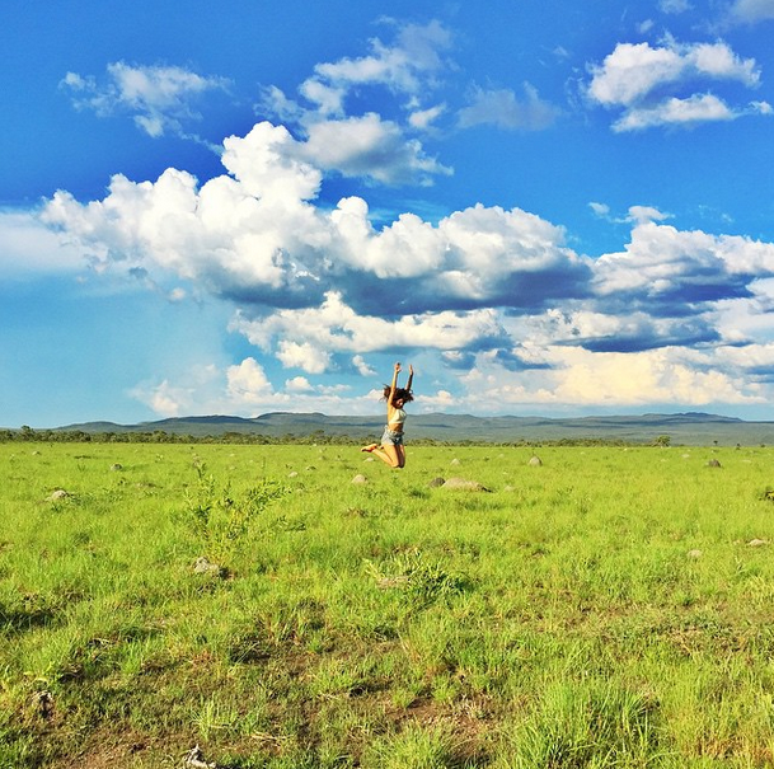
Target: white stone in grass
(203, 566)
(455, 462)
(359, 479)
(757, 542)
(294, 474)
(385, 583)
(694, 554)
(535, 462)
(58, 494)
(462, 484)
(195, 760)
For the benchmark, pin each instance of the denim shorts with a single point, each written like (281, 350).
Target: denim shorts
(392, 437)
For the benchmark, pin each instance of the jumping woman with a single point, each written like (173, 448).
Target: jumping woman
(391, 450)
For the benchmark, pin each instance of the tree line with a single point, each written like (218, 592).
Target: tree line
(27, 434)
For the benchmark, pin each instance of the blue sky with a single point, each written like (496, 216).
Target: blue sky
(247, 207)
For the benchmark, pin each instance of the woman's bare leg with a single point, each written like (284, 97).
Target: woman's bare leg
(388, 454)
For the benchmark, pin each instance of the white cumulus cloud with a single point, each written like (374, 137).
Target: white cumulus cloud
(648, 83)
(158, 97)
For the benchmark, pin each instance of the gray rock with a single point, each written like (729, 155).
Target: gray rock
(359, 479)
(58, 495)
(43, 704)
(695, 554)
(714, 463)
(436, 482)
(535, 462)
(203, 566)
(462, 484)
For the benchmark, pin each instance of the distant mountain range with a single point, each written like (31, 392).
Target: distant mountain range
(685, 429)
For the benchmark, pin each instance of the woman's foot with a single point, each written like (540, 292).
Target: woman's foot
(370, 447)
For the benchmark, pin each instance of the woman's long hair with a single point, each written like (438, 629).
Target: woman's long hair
(400, 393)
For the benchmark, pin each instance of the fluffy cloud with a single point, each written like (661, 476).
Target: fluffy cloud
(256, 237)
(303, 355)
(406, 67)
(633, 71)
(159, 98)
(248, 383)
(359, 362)
(370, 147)
(503, 109)
(668, 271)
(302, 335)
(631, 332)
(490, 299)
(317, 287)
(578, 376)
(638, 79)
(752, 11)
(700, 108)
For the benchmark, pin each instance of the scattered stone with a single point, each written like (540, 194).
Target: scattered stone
(461, 484)
(385, 583)
(535, 462)
(694, 554)
(294, 474)
(43, 704)
(195, 760)
(455, 462)
(359, 479)
(116, 468)
(203, 566)
(757, 542)
(436, 482)
(714, 463)
(58, 494)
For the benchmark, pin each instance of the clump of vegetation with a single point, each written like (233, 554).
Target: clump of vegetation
(424, 580)
(222, 517)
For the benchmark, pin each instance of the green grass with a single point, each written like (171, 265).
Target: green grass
(603, 610)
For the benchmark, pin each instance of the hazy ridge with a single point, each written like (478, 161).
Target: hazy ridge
(690, 428)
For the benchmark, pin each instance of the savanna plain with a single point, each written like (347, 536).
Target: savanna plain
(240, 606)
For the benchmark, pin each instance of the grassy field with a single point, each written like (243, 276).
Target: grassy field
(610, 608)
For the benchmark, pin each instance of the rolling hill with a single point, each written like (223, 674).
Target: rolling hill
(683, 428)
